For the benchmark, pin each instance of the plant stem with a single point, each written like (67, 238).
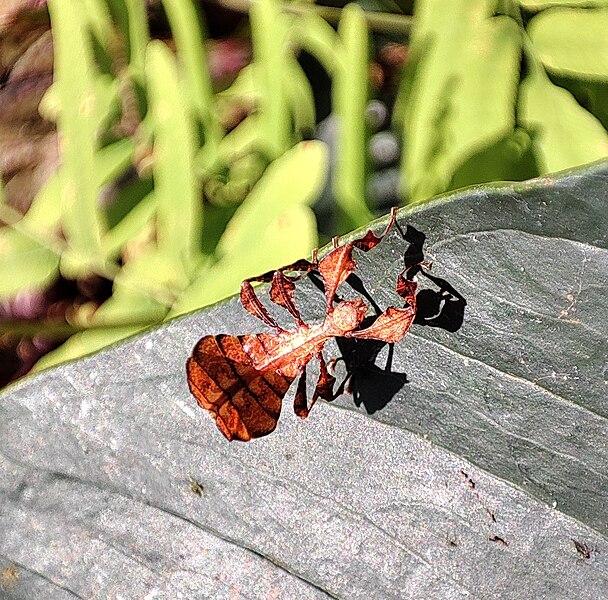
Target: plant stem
(58, 328)
(376, 21)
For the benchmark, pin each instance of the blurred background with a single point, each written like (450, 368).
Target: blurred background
(153, 154)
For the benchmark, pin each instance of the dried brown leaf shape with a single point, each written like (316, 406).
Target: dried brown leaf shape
(242, 380)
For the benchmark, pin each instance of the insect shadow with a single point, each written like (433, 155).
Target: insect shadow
(374, 386)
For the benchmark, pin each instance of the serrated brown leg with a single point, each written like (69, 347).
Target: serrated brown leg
(281, 290)
(300, 402)
(325, 383)
(406, 288)
(282, 293)
(370, 239)
(336, 266)
(252, 304)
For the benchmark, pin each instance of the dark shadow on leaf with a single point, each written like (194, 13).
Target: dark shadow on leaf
(444, 308)
(369, 384)
(374, 386)
(414, 253)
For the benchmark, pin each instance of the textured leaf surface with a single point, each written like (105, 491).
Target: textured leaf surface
(102, 461)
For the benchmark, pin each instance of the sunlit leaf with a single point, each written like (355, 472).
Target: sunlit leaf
(295, 178)
(269, 57)
(24, 263)
(350, 95)
(287, 238)
(82, 95)
(461, 92)
(572, 41)
(473, 466)
(564, 134)
(176, 190)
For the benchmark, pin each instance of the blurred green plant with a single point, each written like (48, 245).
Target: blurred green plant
(493, 90)
(128, 108)
(502, 90)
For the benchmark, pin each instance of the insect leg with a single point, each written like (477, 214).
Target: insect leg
(325, 383)
(345, 384)
(406, 288)
(390, 326)
(300, 402)
(331, 365)
(282, 293)
(303, 266)
(323, 389)
(370, 239)
(343, 387)
(338, 264)
(282, 289)
(252, 304)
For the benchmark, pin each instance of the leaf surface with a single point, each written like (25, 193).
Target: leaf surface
(24, 263)
(388, 495)
(572, 41)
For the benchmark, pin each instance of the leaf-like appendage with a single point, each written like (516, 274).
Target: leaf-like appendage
(245, 402)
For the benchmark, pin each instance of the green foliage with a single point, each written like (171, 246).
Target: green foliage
(349, 102)
(492, 91)
(572, 41)
(345, 57)
(564, 133)
(536, 5)
(30, 264)
(495, 92)
(86, 98)
(127, 107)
(284, 227)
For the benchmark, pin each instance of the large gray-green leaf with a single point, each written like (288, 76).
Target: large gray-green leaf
(505, 416)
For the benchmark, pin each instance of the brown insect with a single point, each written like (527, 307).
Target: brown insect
(242, 379)
(584, 550)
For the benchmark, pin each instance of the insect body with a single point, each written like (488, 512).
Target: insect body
(242, 380)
